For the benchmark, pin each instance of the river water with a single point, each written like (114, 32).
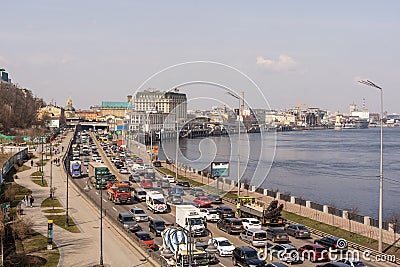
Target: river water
(339, 168)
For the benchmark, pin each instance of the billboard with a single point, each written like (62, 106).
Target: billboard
(220, 169)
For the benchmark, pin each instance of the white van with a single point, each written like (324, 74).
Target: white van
(155, 202)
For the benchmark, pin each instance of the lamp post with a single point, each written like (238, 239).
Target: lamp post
(369, 83)
(176, 146)
(66, 210)
(238, 148)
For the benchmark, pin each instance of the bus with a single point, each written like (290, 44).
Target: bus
(76, 168)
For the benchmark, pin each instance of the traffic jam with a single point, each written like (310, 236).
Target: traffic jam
(188, 226)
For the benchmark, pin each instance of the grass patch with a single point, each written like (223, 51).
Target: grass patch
(48, 202)
(37, 173)
(23, 168)
(42, 163)
(336, 231)
(39, 182)
(53, 211)
(36, 245)
(60, 221)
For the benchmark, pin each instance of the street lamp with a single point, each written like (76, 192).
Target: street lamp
(238, 148)
(176, 146)
(369, 83)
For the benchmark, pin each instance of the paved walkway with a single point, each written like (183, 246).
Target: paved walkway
(77, 249)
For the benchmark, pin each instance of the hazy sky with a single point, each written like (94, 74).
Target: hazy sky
(297, 52)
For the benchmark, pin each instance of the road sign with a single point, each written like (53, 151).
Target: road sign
(220, 169)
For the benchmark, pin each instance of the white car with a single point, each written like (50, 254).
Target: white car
(209, 215)
(223, 245)
(94, 157)
(99, 160)
(123, 170)
(251, 223)
(170, 178)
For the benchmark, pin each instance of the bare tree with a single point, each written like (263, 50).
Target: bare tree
(352, 213)
(394, 219)
(22, 228)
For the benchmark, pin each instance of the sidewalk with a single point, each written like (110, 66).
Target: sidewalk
(76, 249)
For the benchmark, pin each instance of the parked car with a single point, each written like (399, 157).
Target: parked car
(156, 226)
(146, 239)
(202, 202)
(230, 225)
(209, 215)
(184, 184)
(314, 252)
(175, 199)
(352, 262)
(277, 234)
(128, 222)
(298, 231)
(225, 212)
(223, 245)
(251, 223)
(332, 242)
(215, 199)
(285, 252)
(247, 256)
(147, 183)
(256, 237)
(139, 214)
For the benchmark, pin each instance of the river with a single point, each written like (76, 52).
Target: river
(339, 168)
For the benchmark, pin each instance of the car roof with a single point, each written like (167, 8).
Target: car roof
(136, 209)
(246, 248)
(157, 220)
(278, 264)
(256, 230)
(125, 214)
(286, 245)
(141, 233)
(232, 219)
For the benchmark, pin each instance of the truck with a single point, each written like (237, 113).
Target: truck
(267, 214)
(155, 202)
(183, 249)
(119, 192)
(99, 174)
(75, 168)
(189, 218)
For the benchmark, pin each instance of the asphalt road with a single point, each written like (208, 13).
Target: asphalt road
(112, 210)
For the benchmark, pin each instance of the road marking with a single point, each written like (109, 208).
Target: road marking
(97, 193)
(222, 265)
(104, 200)
(114, 209)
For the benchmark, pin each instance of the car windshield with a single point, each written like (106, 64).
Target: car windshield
(359, 264)
(145, 237)
(196, 221)
(251, 254)
(141, 193)
(302, 227)
(128, 219)
(158, 201)
(260, 235)
(254, 221)
(319, 249)
(224, 243)
(124, 189)
(139, 212)
(159, 224)
(212, 212)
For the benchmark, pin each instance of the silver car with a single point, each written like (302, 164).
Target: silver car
(256, 237)
(139, 214)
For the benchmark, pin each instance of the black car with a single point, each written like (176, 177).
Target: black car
(225, 212)
(276, 264)
(156, 226)
(230, 225)
(128, 222)
(277, 234)
(215, 199)
(332, 242)
(333, 264)
(247, 256)
(298, 231)
(119, 164)
(184, 184)
(157, 163)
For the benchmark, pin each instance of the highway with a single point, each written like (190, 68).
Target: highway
(112, 210)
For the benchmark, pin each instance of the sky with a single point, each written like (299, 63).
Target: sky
(281, 54)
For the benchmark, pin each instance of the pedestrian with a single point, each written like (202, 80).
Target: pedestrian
(31, 163)
(62, 148)
(58, 161)
(26, 198)
(31, 200)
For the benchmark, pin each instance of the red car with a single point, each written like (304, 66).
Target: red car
(314, 252)
(202, 202)
(139, 160)
(146, 239)
(147, 184)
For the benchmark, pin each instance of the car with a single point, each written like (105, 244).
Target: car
(139, 214)
(165, 184)
(277, 234)
(100, 160)
(76, 158)
(298, 231)
(209, 215)
(230, 225)
(256, 237)
(157, 163)
(156, 226)
(247, 256)
(189, 203)
(251, 223)
(147, 183)
(138, 160)
(123, 170)
(225, 212)
(184, 184)
(94, 157)
(177, 191)
(276, 264)
(332, 242)
(197, 192)
(352, 262)
(139, 194)
(223, 245)
(112, 178)
(314, 252)
(333, 264)
(128, 222)
(285, 252)
(202, 202)
(119, 164)
(146, 239)
(86, 161)
(175, 199)
(215, 199)
(134, 177)
(158, 189)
